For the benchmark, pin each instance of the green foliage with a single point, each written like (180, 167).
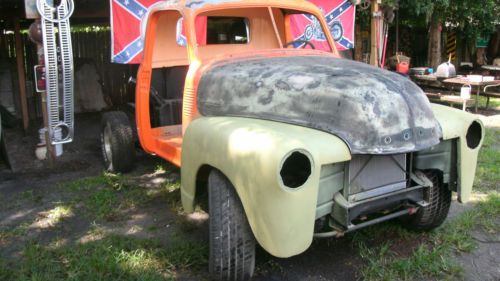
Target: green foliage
(471, 17)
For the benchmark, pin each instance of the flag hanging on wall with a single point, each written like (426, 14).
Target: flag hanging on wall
(339, 15)
(127, 43)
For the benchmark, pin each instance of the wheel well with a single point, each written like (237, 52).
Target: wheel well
(201, 193)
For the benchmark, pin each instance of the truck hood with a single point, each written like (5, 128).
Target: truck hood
(373, 110)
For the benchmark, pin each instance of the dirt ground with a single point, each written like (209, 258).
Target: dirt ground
(28, 195)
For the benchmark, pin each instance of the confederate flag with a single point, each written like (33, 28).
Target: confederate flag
(126, 17)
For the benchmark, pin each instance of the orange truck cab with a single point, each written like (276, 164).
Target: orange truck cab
(257, 27)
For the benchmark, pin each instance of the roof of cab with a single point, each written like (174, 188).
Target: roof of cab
(200, 4)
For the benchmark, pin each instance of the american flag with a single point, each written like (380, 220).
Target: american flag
(127, 15)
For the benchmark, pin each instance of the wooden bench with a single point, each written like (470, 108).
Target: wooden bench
(457, 100)
(449, 99)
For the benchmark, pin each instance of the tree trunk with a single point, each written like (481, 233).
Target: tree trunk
(434, 48)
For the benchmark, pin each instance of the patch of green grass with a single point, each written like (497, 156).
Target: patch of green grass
(431, 256)
(106, 195)
(18, 231)
(6, 272)
(488, 167)
(30, 195)
(112, 258)
(494, 102)
(60, 212)
(115, 181)
(102, 204)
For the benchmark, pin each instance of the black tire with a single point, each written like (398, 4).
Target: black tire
(433, 215)
(232, 244)
(117, 142)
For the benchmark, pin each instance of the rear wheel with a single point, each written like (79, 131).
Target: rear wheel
(232, 244)
(117, 142)
(433, 215)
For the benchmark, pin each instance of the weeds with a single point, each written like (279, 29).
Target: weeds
(431, 259)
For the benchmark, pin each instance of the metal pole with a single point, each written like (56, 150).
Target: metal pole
(51, 155)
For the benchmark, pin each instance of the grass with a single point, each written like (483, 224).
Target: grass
(111, 258)
(430, 257)
(106, 255)
(106, 195)
(19, 230)
(488, 170)
(30, 195)
(494, 102)
(60, 212)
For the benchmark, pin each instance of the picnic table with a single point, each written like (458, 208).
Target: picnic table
(462, 81)
(449, 84)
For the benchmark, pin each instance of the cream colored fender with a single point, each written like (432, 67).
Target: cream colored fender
(251, 153)
(455, 124)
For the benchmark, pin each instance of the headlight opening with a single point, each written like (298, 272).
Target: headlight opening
(474, 135)
(296, 169)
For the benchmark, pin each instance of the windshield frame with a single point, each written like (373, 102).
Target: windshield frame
(242, 5)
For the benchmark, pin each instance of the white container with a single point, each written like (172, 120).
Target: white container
(57, 135)
(488, 78)
(465, 92)
(475, 78)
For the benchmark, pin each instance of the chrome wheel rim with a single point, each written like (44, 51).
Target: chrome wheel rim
(107, 143)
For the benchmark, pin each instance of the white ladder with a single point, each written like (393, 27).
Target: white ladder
(58, 18)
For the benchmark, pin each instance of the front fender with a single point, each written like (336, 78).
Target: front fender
(455, 124)
(250, 153)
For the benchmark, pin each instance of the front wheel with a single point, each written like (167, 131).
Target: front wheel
(232, 244)
(433, 215)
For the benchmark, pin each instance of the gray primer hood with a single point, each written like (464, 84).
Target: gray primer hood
(374, 111)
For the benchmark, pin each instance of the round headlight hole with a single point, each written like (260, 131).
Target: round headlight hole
(474, 135)
(295, 170)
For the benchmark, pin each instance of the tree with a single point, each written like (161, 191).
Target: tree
(470, 17)
(434, 12)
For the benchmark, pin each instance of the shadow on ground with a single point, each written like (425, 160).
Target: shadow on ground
(73, 220)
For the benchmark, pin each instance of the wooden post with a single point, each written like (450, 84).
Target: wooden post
(397, 31)
(374, 30)
(20, 74)
(51, 154)
(358, 50)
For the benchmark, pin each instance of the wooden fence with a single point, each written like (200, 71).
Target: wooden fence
(90, 45)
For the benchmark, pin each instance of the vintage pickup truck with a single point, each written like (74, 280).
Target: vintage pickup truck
(289, 142)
